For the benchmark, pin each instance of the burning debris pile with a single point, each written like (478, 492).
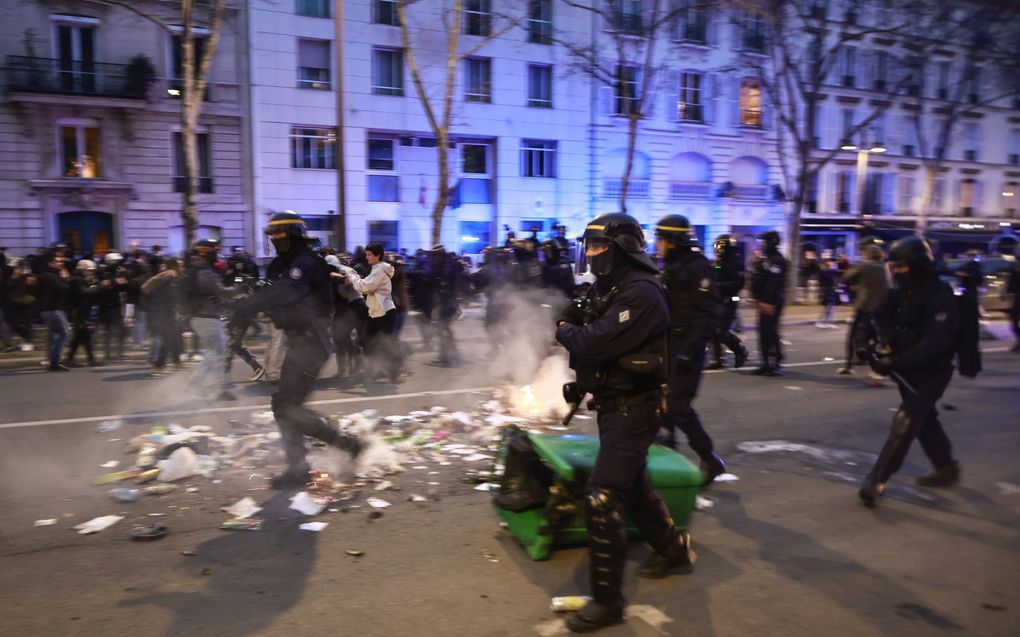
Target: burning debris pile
(174, 458)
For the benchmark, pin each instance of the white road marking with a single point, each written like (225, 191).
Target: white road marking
(233, 408)
(334, 401)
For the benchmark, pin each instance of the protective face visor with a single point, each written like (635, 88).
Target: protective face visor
(600, 255)
(280, 240)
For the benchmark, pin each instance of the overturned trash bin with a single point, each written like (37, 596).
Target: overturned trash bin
(542, 490)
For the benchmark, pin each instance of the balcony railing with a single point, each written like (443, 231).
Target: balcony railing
(43, 75)
(751, 193)
(637, 188)
(690, 190)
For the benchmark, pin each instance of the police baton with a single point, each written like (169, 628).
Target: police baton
(570, 414)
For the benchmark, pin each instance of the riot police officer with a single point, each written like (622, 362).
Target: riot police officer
(556, 271)
(616, 340)
(729, 281)
(917, 323)
(693, 318)
(300, 302)
(768, 288)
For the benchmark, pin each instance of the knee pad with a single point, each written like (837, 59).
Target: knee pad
(901, 422)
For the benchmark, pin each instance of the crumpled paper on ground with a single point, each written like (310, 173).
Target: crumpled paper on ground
(95, 525)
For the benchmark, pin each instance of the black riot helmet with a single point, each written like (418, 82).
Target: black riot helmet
(676, 229)
(286, 230)
(551, 250)
(911, 261)
(626, 241)
(724, 245)
(771, 240)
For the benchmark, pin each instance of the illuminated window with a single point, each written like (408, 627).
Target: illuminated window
(750, 103)
(689, 104)
(313, 148)
(81, 149)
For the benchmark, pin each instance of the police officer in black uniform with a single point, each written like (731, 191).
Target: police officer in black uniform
(299, 301)
(729, 281)
(693, 316)
(917, 323)
(616, 340)
(556, 271)
(768, 288)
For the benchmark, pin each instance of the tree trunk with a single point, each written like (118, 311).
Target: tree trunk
(930, 173)
(632, 127)
(443, 189)
(189, 113)
(793, 259)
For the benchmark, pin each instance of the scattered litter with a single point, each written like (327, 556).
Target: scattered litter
(124, 494)
(828, 359)
(727, 477)
(46, 522)
(110, 465)
(117, 476)
(384, 485)
(95, 525)
(374, 515)
(568, 604)
(242, 525)
(475, 457)
(1005, 488)
(487, 486)
(150, 532)
(243, 508)
(107, 426)
(307, 504)
(313, 526)
(794, 388)
(581, 417)
(148, 476)
(417, 498)
(192, 489)
(354, 552)
(702, 504)
(489, 555)
(160, 489)
(182, 463)
(377, 503)
(156, 515)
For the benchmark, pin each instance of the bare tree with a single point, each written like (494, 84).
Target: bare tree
(983, 41)
(439, 109)
(811, 46)
(195, 72)
(638, 35)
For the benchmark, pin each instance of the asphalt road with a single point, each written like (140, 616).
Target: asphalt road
(785, 550)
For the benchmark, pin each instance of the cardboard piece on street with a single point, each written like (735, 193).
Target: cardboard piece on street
(95, 525)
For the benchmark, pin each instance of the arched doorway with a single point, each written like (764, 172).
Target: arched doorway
(86, 232)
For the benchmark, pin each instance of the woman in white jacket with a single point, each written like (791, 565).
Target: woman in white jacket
(382, 313)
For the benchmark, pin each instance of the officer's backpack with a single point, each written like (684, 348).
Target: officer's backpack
(968, 348)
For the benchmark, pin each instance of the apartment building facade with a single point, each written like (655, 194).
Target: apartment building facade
(90, 129)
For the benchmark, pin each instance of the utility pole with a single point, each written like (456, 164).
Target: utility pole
(341, 172)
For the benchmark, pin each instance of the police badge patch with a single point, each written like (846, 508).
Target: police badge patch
(624, 316)
(704, 285)
(295, 273)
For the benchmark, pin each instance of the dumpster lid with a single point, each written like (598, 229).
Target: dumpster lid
(571, 452)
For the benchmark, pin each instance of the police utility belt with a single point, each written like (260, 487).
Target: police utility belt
(623, 403)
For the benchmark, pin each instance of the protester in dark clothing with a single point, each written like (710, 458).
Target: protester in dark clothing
(53, 288)
(870, 283)
(162, 294)
(205, 294)
(768, 288)
(112, 282)
(84, 288)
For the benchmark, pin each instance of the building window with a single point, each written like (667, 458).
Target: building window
(313, 8)
(942, 90)
(693, 22)
(477, 17)
(478, 80)
(881, 71)
(972, 142)
(174, 84)
(974, 86)
(382, 158)
(689, 104)
(844, 188)
(627, 16)
(475, 174)
(385, 12)
(752, 37)
(910, 142)
(968, 197)
(540, 21)
(387, 71)
(938, 195)
(205, 182)
(1009, 197)
(76, 53)
(846, 134)
(538, 158)
(1014, 147)
(474, 159)
(627, 101)
(540, 85)
(386, 233)
(81, 149)
(313, 64)
(913, 85)
(848, 66)
(906, 202)
(474, 235)
(750, 103)
(313, 148)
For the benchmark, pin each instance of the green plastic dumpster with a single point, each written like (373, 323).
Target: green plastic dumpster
(543, 486)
